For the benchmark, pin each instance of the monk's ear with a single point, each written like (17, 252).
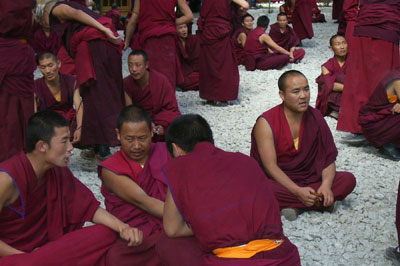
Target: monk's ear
(282, 95)
(177, 151)
(330, 48)
(41, 146)
(58, 64)
(118, 134)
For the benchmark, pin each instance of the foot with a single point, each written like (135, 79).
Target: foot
(290, 213)
(329, 209)
(221, 104)
(356, 140)
(334, 114)
(210, 102)
(390, 151)
(90, 166)
(88, 154)
(393, 254)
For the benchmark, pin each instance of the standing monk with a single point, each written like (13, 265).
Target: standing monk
(17, 65)
(157, 34)
(219, 74)
(97, 52)
(302, 19)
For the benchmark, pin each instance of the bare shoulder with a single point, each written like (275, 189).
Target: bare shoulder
(8, 191)
(262, 128)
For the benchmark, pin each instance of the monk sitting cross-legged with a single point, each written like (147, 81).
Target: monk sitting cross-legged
(134, 187)
(43, 206)
(293, 144)
(240, 35)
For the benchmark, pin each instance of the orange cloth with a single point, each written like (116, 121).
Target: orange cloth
(248, 250)
(22, 40)
(392, 98)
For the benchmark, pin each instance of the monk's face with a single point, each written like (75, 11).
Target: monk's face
(137, 66)
(182, 31)
(296, 96)
(135, 138)
(282, 22)
(248, 23)
(59, 150)
(49, 68)
(339, 46)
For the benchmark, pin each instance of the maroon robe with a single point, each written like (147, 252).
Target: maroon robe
(350, 11)
(99, 76)
(380, 126)
(317, 16)
(219, 74)
(41, 43)
(153, 182)
(337, 7)
(373, 53)
(288, 11)
(304, 166)
(302, 19)
(227, 202)
(42, 220)
(287, 40)
(238, 48)
(189, 60)
(327, 99)
(257, 55)
(115, 16)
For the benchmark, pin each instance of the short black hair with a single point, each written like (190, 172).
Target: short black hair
(263, 22)
(45, 55)
(282, 79)
(140, 52)
(281, 14)
(246, 15)
(332, 39)
(133, 113)
(188, 130)
(41, 127)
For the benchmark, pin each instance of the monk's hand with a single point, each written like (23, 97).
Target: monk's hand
(396, 108)
(291, 56)
(307, 196)
(77, 136)
(326, 191)
(133, 235)
(159, 130)
(111, 37)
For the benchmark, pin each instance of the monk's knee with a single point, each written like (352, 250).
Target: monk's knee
(347, 181)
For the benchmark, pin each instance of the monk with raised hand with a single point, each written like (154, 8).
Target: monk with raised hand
(58, 92)
(259, 49)
(157, 23)
(380, 116)
(43, 206)
(302, 19)
(240, 35)
(293, 144)
(222, 199)
(151, 90)
(134, 187)
(331, 80)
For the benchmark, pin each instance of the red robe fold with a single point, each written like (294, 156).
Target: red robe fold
(380, 126)
(302, 19)
(287, 40)
(189, 60)
(304, 166)
(350, 11)
(152, 181)
(46, 213)
(227, 201)
(16, 19)
(41, 43)
(327, 99)
(115, 16)
(219, 74)
(317, 16)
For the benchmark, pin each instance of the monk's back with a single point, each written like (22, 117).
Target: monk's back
(216, 8)
(156, 14)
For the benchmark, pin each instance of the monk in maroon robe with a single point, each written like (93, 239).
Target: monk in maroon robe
(157, 25)
(188, 49)
(317, 16)
(331, 80)
(284, 36)
(374, 51)
(17, 65)
(115, 16)
(240, 35)
(287, 9)
(45, 40)
(43, 206)
(379, 116)
(293, 144)
(259, 49)
(222, 199)
(151, 91)
(134, 187)
(302, 19)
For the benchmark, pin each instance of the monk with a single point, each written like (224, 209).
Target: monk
(219, 74)
(393, 253)
(188, 49)
(373, 52)
(259, 49)
(222, 199)
(287, 9)
(152, 91)
(115, 16)
(45, 39)
(57, 92)
(302, 19)
(331, 80)
(284, 36)
(157, 24)
(350, 11)
(17, 65)
(293, 144)
(134, 187)
(317, 16)
(379, 116)
(240, 35)
(43, 206)
(97, 51)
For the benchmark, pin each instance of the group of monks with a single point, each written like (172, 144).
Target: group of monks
(171, 196)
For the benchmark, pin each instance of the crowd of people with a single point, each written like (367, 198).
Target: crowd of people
(171, 196)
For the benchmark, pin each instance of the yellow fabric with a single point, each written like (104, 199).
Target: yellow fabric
(296, 143)
(391, 98)
(58, 96)
(248, 250)
(22, 40)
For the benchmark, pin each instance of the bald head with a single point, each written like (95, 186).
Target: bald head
(282, 82)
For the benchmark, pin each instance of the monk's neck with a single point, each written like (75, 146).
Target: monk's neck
(183, 41)
(46, 32)
(282, 30)
(294, 119)
(341, 59)
(144, 81)
(54, 85)
(39, 166)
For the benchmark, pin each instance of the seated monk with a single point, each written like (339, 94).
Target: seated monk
(115, 16)
(293, 144)
(134, 187)
(379, 117)
(152, 91)
(258, 49)
(331, 80)
(317, 16)
(58, 92)
(285, 37)
(43, 206)
(222, 199)
(188, 50)
(287, 9)
(240, 35)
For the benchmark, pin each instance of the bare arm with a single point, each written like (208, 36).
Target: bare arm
(187, 13)
(242, 3)
(79, 115)
(128, 100)
(131, 26)
(328, 176)
(242, 39)
(396, 90)
(129, 191)
(336, 85)
(174, 225)
(266, 39)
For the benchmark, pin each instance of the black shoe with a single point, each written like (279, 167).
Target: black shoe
(221, 104)
(390, 151)
(103, 150)
(356, 140)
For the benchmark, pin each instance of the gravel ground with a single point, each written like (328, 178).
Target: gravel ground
(362, 226)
